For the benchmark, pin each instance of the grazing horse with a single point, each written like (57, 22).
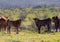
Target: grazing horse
(56, 21)
(3, 23)
(15, 23)
(45, 22)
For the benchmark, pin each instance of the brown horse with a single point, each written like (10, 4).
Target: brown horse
(3, 23)
(45, 22)
(15, 23)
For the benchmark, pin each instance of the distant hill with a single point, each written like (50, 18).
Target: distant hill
(27, 3)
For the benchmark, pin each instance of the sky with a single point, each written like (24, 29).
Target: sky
(26, 3)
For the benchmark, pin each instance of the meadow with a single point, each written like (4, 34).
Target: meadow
(29, 36)
(29, 30)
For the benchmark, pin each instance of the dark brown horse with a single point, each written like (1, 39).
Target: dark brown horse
(56, 21)
(15, 23)
(45, 22)
(3, 23)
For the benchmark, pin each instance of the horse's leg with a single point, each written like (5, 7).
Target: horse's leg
(39, 29)
(49, 29)
(56, 27)
(17, 32)
(59, 28)
(4, 29)
(0, 29)
(8, 30)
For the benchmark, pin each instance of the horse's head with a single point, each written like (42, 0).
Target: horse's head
(55, 19)
(36, 19)
(19, 20)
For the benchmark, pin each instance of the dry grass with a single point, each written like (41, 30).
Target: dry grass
(29, 36)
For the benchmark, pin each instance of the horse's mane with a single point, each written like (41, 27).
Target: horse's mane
(4, 17)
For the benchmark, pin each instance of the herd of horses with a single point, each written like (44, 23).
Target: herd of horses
(6, 24)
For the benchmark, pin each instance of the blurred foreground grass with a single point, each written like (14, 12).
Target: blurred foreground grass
(29, 36)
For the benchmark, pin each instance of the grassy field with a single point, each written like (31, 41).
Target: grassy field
(29, 36)
(27, 15)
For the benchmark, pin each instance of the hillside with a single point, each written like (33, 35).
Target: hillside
(27, 3)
